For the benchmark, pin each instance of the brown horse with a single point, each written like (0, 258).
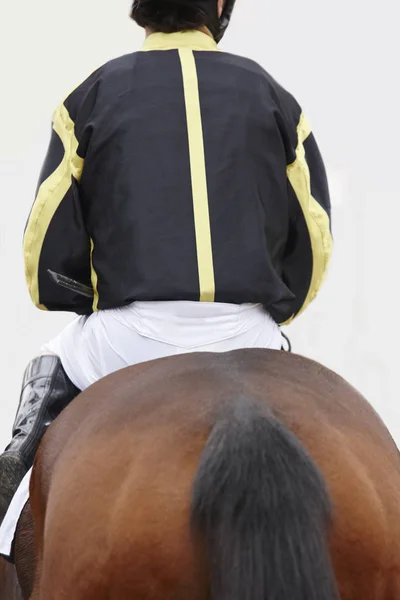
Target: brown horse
(12, 578)
(251, 475)
(9, 587)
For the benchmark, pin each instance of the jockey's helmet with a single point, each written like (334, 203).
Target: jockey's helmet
(225, 18)
(209, 8)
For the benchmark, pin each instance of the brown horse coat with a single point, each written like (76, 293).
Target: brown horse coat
(138, 456)
(9, 588)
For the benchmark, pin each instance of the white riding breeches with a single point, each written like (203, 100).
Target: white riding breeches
(92, 347)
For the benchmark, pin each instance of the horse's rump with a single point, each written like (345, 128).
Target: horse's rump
(112, 488)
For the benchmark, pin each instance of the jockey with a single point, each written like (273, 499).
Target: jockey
(183, 206)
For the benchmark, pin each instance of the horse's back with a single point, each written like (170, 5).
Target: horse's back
(115, 472)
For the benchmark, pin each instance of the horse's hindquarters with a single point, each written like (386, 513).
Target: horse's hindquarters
(114, 480)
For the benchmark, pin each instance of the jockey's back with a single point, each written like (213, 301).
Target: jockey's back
(174, 186)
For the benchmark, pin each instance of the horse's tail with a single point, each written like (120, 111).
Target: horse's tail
(262, 508)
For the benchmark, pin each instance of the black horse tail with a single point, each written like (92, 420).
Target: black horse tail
(262, 509)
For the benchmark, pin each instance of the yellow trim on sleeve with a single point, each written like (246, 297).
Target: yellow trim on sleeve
(94, 278)
(199, 176)
(49, 197)
(316, 218)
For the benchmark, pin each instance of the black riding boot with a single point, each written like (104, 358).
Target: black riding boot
(46, 391)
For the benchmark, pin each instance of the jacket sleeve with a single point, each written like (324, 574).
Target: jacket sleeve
(309, 244)
(55, 236)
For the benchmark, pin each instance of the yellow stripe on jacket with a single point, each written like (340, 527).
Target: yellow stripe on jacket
(50, 195)
(316, 218)
(198, 176)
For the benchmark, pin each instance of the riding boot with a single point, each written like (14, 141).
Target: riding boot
(46, 391)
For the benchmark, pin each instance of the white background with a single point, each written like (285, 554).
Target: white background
(340, 59)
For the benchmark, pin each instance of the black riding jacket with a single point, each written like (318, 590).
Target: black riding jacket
(179, 173)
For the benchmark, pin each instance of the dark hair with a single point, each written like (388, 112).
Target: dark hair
(169, 16)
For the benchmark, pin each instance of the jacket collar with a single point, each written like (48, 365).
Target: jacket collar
(193, 40)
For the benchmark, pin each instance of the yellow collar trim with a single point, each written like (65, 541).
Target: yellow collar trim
(194, 40)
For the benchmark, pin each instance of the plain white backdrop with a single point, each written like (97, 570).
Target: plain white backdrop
(340, 60)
